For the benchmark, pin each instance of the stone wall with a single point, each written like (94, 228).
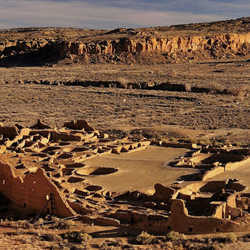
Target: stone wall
(180, 221)
(33, 192)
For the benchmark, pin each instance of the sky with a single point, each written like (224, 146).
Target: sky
(104, 14)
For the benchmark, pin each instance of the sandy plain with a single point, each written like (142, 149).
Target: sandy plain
(139, 171)
(171, 113)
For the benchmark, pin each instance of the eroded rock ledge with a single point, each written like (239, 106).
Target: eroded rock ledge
(126, 46)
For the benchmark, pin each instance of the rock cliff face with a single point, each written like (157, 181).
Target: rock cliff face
(154, 49)
(132, 49)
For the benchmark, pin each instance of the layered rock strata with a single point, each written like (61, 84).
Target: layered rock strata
(133, 49)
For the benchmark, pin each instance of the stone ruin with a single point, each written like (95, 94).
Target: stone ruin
(43, 170)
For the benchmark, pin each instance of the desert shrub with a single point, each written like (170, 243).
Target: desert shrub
(77, 237)
(110, 244)
(240, 91)
(215, 87)
(24, 224)
(174, 236)
(57, 223)
(232, 237)
(86, 237)
(144, 238)
(60, 225)
(50, 237)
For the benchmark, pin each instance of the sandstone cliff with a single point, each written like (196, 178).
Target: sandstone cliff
(127, 46)
(155, 49)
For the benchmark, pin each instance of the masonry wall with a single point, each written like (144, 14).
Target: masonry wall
(220, 209)
(180, 221)
(163, 193)
(30, 193)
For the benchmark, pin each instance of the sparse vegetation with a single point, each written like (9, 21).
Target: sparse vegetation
(241, 92)
(77, 237)
(175, 236)
(232, 237)
(144, 238)
(216, 87)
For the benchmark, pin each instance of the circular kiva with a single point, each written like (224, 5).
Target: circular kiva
(74, 179)
(104, 171)
(65, 156)
(93, 188)
(95, 171)
(74, 165)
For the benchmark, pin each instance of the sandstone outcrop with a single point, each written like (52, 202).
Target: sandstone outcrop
(122, 46)
(166, 49)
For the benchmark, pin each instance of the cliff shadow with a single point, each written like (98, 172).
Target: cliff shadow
(41, 57)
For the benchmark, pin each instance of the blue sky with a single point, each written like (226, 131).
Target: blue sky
(117, 13)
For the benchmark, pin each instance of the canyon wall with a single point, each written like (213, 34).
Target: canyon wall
(143, 49)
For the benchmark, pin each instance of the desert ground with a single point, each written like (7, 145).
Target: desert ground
(187, 119)
(129, 109)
